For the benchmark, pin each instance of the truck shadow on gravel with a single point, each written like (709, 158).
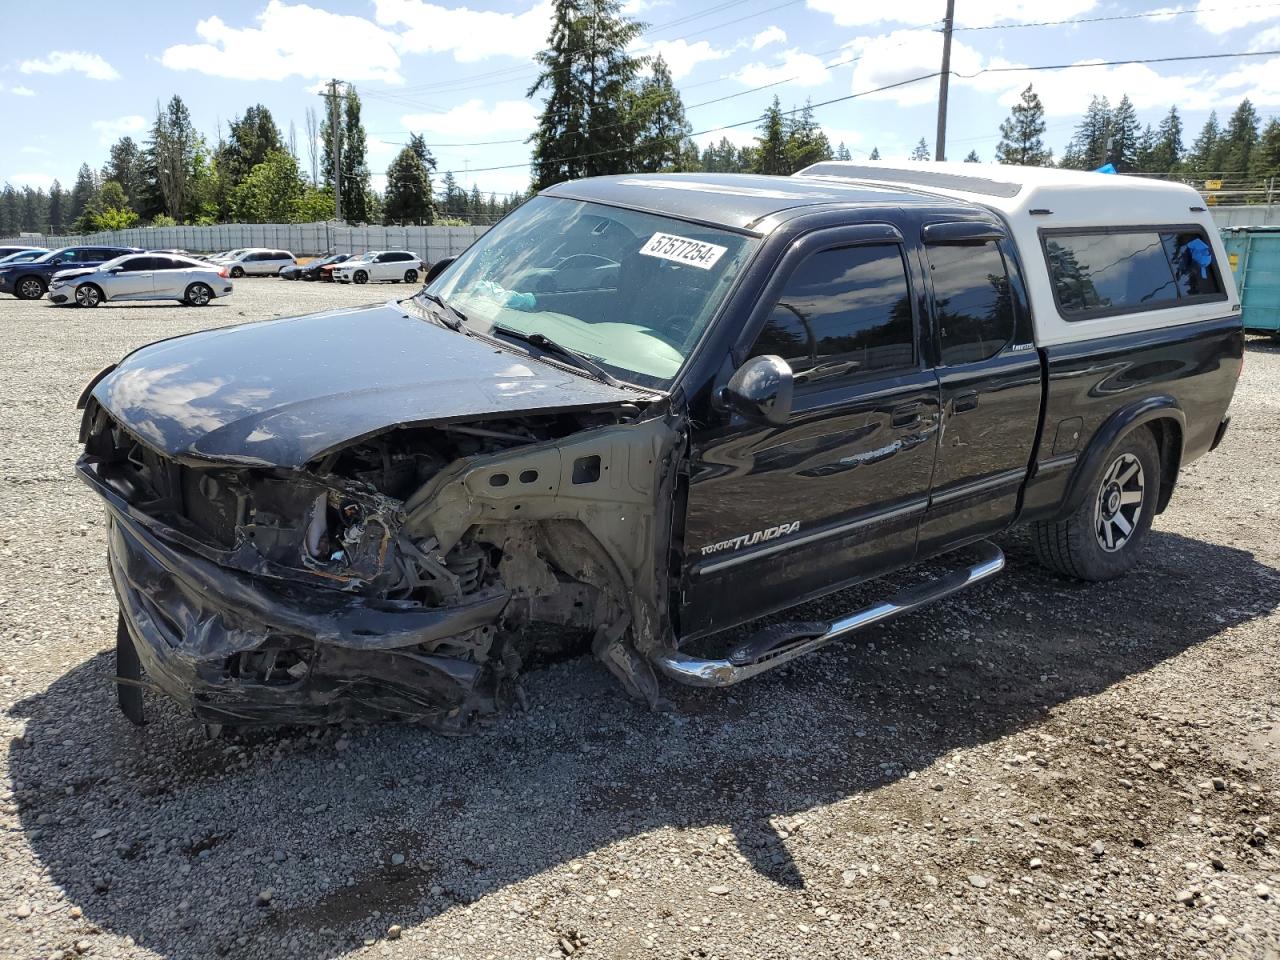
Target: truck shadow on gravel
(168, 838)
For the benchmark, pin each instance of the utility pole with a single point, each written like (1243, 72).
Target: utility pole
(940, 145)
(336, 133)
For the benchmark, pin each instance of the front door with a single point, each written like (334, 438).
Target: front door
(989, 374)
(776, 514)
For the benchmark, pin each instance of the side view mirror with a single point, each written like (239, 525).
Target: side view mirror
(438, 268)
(116, 270)
(56, 260)
(761, 390)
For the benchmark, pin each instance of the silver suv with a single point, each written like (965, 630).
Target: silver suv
(256, 262)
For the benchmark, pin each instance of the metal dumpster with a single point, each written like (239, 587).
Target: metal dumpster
(1254, 256)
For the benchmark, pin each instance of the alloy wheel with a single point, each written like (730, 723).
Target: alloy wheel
(87, 295)
(30, 289)
(1119, 502)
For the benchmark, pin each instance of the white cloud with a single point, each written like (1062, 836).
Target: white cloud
(469, 35)
(111, 130)
(969, 13)
(37, 180)
(767, 36)
(22, 91)
(31, 149)
(290, 40)
(75, 61)
(1268, 39)
(802, 69)
(473, 119)
(1260, 82)
(681, 55)
(1068, 92)
(1218, 17)
(903, 55)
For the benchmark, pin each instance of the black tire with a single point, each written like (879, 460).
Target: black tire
(411, 276)
(88, 295)
(309, 276)
(197, 295)
(1077, 546)
(128, 667)
(360, 276)
(237, 272)
(30, 287)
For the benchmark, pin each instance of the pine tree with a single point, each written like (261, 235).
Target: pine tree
(659, 129)
(842, 152)
(356, 189)
(586, 74)
(1167, 155)
(875, 154)
(475, 205)
(172, 153)
(771, 152)
(1206, 149)
(1125, 134)
(409, 198)
(125, 167)
(921, 152)
(806, 143)
(249, 140)
(1146, 149)
(57, 207)
(10, 211)
(1088, 148)
(1239, 141)
(453, 200)
(1021, 134)
(973, 157)
(1266, 156)
(82, 192)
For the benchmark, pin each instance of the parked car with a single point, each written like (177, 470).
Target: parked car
(147, 276)
(30, 280)
(787, 386)
(256, 262)
(391, 266)
(24, 256)
(312, 270)
(9, 251)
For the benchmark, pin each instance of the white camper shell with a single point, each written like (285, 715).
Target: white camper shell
(1043, 205)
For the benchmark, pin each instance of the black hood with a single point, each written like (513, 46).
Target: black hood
(283, 392)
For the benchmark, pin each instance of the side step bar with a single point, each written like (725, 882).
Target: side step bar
(783, 642)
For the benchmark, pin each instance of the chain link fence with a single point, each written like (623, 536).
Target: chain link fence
(300, 239)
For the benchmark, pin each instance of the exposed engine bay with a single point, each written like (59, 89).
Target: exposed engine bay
(411, 574)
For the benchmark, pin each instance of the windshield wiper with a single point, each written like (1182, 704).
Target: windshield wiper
(547, 345)
(453, 318)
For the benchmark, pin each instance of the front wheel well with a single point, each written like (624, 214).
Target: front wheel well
(1167, 432)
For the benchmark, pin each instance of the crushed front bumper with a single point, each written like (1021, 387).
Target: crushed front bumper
(193, 621)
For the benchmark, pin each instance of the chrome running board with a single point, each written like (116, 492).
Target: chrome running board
(782, 643)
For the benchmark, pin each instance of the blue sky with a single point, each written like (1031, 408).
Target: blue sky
(76, 75)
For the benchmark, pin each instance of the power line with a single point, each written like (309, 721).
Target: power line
(1119, 63)
(1160, 14)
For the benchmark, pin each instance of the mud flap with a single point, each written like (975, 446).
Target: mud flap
(632, 670)
(128, 675)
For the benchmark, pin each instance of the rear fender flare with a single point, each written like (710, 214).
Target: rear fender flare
(1115, 427)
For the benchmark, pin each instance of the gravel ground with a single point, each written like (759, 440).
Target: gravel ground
(1037, 768)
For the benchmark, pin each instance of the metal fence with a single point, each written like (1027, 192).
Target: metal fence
(1250, 215)
(300, 239)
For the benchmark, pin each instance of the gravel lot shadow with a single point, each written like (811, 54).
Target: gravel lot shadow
(171, 839)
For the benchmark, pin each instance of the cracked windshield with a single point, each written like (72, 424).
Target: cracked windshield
(630, 291)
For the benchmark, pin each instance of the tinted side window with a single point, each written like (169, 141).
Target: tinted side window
(136, 264)
(166, 263)
(1193, 268)
(844, 312)
(972, 299)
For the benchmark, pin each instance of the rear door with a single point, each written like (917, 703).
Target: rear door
(990, 381)
(836, 494)
(133, 281)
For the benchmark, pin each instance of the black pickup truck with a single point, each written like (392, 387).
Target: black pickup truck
(644, 409)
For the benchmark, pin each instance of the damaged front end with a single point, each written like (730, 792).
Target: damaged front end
(408, 574)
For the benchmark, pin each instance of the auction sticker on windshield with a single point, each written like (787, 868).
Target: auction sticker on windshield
(694, 253)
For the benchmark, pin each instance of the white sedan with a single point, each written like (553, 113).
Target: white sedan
(380, 265)
(141, 276)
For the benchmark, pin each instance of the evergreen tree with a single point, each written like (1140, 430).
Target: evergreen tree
(356, 189)
(1239, 141)
(724, 157)
(125, 166)
(408, 198)
(1088, 148)
(875, 154)
(1021, 134)
(806, 143)
(771, 152)
(249, 140)
(659, 129)
(271, 191)
(82, 192)
(34, 209)
(586, 73)
(453, 200)
(1206, 150)
(1146, 149)
(842, 152)
(1167, 154)
(921, 152)
(1266, 156)
(973, 157)
(172, 154)
(10, 212)
(57, 207)
(1126, 134)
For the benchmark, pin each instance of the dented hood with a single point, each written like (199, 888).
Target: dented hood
(283, 392)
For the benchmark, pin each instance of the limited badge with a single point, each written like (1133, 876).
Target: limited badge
(693, 253)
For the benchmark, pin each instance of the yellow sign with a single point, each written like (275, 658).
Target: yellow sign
(1233, 259)
(1213, 184)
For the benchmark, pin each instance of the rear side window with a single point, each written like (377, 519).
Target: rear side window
(1097, 274)
(844, 313)
(972, 299)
